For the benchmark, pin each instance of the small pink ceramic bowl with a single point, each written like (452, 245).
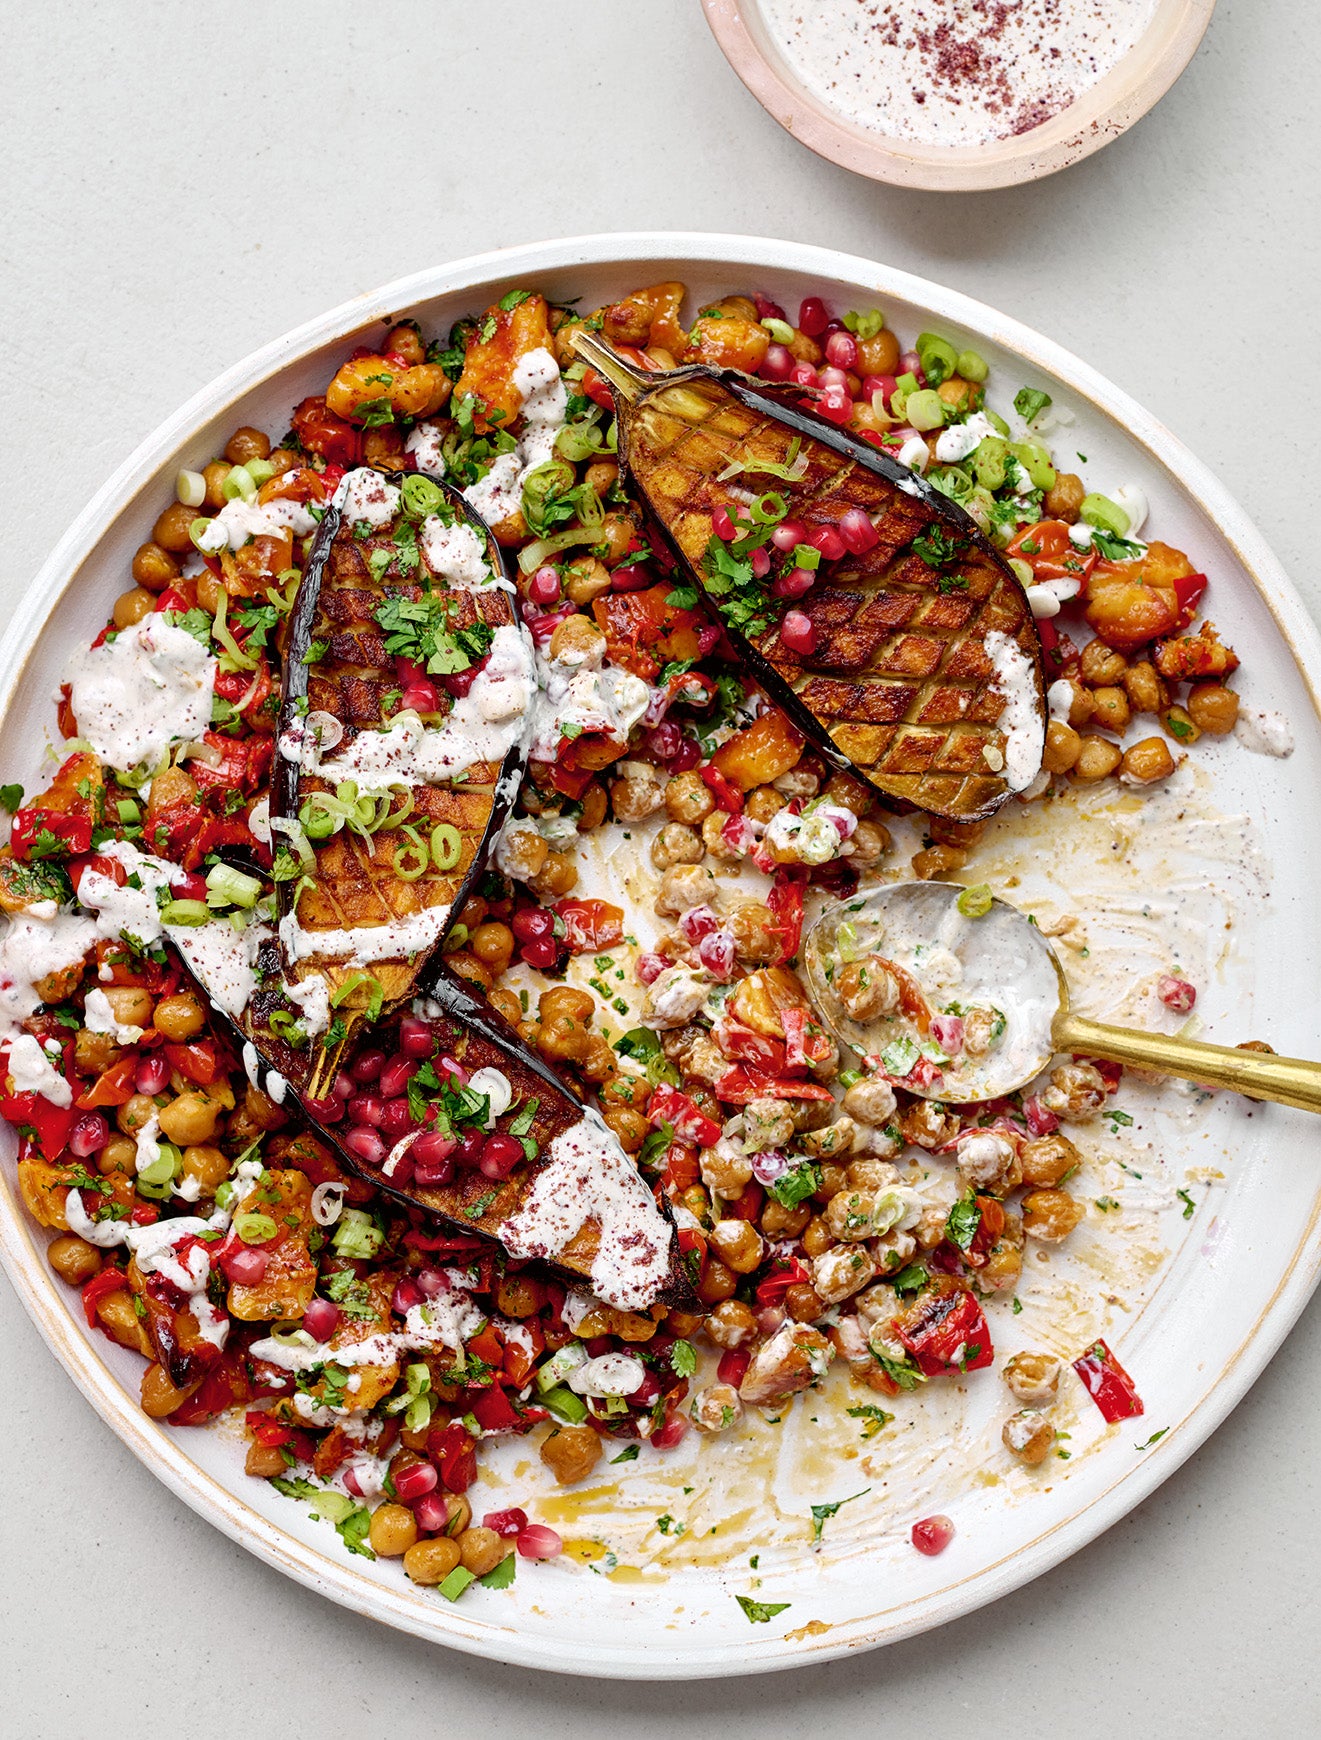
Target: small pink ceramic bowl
(1135, 84)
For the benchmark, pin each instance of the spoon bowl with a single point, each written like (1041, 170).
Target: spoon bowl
(965, 949)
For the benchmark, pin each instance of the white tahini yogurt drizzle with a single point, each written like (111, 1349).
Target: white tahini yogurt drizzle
(1020, 717)
(446, 1321)
(582, 690)
(400, 939)
(239, 520)
(364, 496)
(456, 554)
(588, 1176)
(135, 695)
(1264, 733)
(33, 1071)
(948, 72)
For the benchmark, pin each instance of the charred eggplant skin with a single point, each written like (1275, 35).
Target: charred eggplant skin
(917, 734)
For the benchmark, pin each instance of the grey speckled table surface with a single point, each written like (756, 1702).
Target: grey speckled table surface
(184, 183)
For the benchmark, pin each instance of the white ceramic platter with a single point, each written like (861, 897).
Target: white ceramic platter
(1221, 875)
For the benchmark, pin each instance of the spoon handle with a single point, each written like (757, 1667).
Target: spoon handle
(1291, 1081)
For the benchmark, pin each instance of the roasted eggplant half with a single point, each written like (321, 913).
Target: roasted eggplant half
(870, 607)
(408, 692)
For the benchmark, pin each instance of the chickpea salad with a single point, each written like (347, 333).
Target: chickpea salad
(826, 1208)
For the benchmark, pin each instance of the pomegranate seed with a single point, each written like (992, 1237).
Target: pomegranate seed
(450, 1066)
(802, 374)
(769, 1319)
(420, 698)
(245, 1266)
(1040, 1120)
(666, 740)
(352, 1483)
(829, 542)
(431, 1283)
(544, 587)
(470, 1148)
(733, 1367)
(500, 1155)
(723, 525)
(406, 671)
(431, 1513)
(813, 316)
(708, 639)
(431, 1172)
(327, 1111)
(397, 1119)
(910, 363)
(832, 378)
(505, 1523)
(321, 1319)
(406, 1294)
(541, 954)
(367, 1065)
(186, 886)
(777, 364)
(932, 1535)
(364, 1144)
(342, 1086)
(397, 1074)
(400, 1170)
(629, 578)
(670, 1434)
(152, 1075)
(835, 405)
(794, 583)
(716, 953)
(414, 1482)
(650, 967)
(415, 1037)
(690, 753)
(647, 1391)
(788, 535)
(366, 1109)
(760, 561)
(857, 531)
(1176, 994)
(842, 350)
(434, 1146)
(697, 922)
(88, 1135)
(797, 632)
(533, 923)
(766, 309)
(539, 1542)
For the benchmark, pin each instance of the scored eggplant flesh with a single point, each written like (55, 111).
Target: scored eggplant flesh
(381, 821)
(922, 671)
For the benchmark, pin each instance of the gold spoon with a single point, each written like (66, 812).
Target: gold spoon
(1004, 962)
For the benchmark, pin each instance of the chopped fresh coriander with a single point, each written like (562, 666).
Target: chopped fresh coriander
(822, 1513)
(683, 1358)
(628, 1454)
(761, 1612)
(875, 1419)
(1189, 1206)
(1155, 1438)
(1030, 402)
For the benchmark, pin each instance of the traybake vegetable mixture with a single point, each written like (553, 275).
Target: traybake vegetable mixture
(822, 1210)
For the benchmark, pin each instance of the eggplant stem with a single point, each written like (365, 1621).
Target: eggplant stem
(629, 381)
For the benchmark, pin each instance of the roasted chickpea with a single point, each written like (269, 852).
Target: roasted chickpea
(179, 1017)
(208, 597)
(879, 355)
(870, 842)
(430, 1562)
(405, 342)
(576, 640)
(122, 1323)
(493, 945)
(172, 529)
(130, 1005)
(738, 1244)
(676, 843)
(393, 1530)
(586, 579)
(867, 988)
(1063, 747)
(159, 1397)
(566, 1003)
(119, 1155)
(834, 1178)
(1213, 707)
(1097, 758)
(481, 1550)
(1147, 763)
(190, 1120)
(850, 793)
(803, 1303)
(842, 1271)
(1076, 1091)
(263, 1111)
(731, 1324)
(630, 1126)
(523, 853)
(870, 1102)
(571, 1453)
(213, 480)
(757, 942)
(688, 798)
(817, 1236)
(848, 1215)
(207, 1165)
(1101, 665)
(1033, 1377)
(716, 1408)
(594, 807)
(725, 1174)
(762, 803)
(1050, 1215)
(1048, 1160)
(1110, 710)
(73, 1259)
(1179, 724)
(925, 1125)
(1064, 499)
(718, 1283)
(557, 876)
(135, 1114)
(638, 793)
(781, 1222)
(713, 838)
(934, 863)
(601, 475)
(154, 567)
(506, 1003)
(1029, 1436)
(1146, 689)
(617, 533)
(247, 443)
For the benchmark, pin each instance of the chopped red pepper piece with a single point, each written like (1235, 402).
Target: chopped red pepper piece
(741, 1084)
(728, 797)
(590, 925)
(1108, 1384)
(668, 1106)
(945, 1330)
(786, 903)
(110, 1280)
